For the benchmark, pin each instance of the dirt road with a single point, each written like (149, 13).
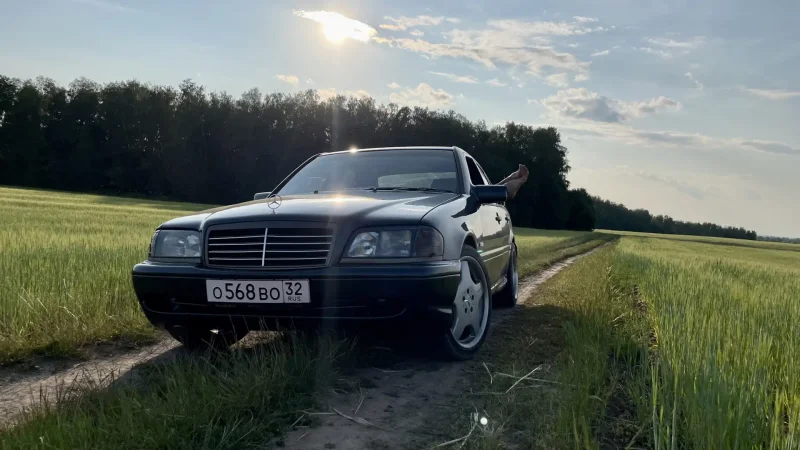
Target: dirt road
(390, 407)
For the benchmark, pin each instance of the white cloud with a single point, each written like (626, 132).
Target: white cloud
(423, 95)
(404, 23)
(655, 51)
(496, 83)
(393, 85)
(506, 42)
(338, 27)
(557, 79)
(490, 54)
(624, 133)
(670, 43)
(417, 33)
(581, 77)
(453, 20)
(583, 19)
(772, 94)
(310, 81)
(329, 93)
(469, 79)
(574, 45)
(290, 79)
(602, 53)
(695, 81)
(580, 103)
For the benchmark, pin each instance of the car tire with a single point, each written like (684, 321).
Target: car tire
(471, 338)
(508, 297)
(202, 339)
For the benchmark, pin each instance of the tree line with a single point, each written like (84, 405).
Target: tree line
(614, 216)
(188, 144)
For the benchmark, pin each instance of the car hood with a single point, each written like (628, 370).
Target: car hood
(368, 208)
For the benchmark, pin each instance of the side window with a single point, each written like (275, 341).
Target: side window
(485, 177)
(475, 176)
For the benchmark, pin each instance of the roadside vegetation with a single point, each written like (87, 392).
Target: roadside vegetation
(651, 343)
(65, 263)
(228, 400)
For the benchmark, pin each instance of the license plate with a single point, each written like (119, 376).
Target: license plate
(261, 291)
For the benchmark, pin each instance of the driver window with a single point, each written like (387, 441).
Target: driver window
(475, 176)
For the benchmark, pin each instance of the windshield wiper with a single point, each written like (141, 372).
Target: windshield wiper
(412, 189)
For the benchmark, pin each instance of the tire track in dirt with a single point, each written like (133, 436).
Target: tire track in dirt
(400, 401)
(392, 402)
(22, 386)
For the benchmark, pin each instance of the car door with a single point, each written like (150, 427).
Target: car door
(493, 246)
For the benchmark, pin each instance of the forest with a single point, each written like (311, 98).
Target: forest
(186, 143)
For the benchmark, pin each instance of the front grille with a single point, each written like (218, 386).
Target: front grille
(269, 247)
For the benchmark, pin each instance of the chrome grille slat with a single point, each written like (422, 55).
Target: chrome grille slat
(276, 247)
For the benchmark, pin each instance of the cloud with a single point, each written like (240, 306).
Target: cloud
(574, 44)
(772, 94)
(580, 103)
(557, 80)
(335, 24)
(423, 95)
(393, 85)
(626, 134)
(109, 5)
(404, 23)
(581, 77)
(583, 19)
(290, 79)
(670, 43)
(655, 51)
(534, 57)
(695, 81)
(469, 79)
(780, 148)
(310, 81)
(417, 33)
(329, 93)
(496, 83)
(603, 53)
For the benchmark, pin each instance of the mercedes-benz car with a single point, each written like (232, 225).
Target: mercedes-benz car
(414, 233)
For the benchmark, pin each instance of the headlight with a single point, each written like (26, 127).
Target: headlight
(422, 242)
(175, 244)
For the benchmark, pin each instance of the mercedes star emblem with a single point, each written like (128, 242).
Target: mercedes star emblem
(273, 202)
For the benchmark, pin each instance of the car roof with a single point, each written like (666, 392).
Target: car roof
(394, 148)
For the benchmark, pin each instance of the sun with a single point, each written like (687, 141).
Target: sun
(336, 32)
(337, 27)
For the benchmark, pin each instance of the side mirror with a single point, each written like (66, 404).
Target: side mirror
(261, 195)
(490, 193)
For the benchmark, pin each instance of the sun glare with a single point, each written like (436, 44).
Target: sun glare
(335, 32)
(337, 27)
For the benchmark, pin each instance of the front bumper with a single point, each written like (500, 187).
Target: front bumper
(174, 294)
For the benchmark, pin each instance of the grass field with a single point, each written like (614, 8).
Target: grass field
(657, 342)
(65, 263)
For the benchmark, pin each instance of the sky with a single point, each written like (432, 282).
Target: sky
(686, 108)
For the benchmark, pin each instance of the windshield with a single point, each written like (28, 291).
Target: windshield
(384, 169)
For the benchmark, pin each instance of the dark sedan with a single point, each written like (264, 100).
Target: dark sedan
(376, 234)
